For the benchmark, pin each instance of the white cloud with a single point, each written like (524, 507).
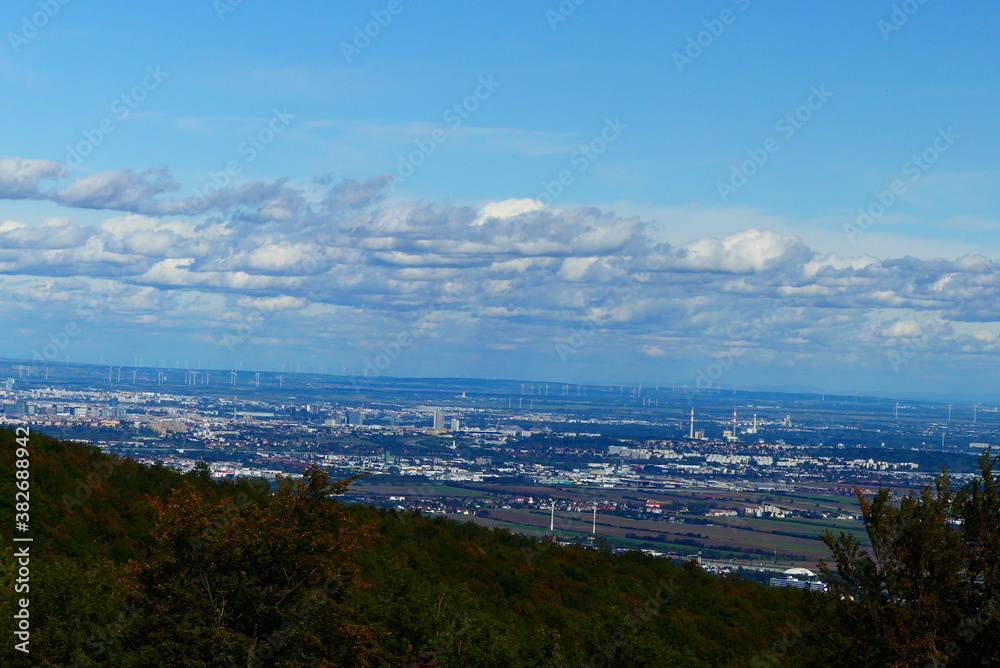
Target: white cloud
(20, 177)
(510, 273)
(508, 208)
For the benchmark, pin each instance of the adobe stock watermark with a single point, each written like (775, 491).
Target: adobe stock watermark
(58, 341)
(223, 7)
(85, 487)
(248, 324)
(225, 515)
(582, 159)
(916, 343)
(749, 331)
(121, 109)
(540, 545)
(899, 17)
(786, 127)
(248, 150)
(394, 348)
(704, 39)
(919, 340)
(454, 118)
(623, 292)
(562, 13)
(299, 612)
(914, 168)
(98, 642)
(790, 637)
(370, 30)
(32, 24)
(446, 639)
(635, 621)
(251, 321)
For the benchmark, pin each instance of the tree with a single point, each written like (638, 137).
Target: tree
(927, 589)
(254, 584)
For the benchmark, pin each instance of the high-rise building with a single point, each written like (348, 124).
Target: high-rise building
(15, 408)
(454, 424)
(438, 420)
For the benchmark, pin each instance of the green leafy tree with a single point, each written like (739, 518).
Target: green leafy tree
(250, 584)
(927, 590)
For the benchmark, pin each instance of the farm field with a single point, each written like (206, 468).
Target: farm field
(790, 541)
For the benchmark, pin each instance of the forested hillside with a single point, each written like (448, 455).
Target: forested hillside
(142, 566)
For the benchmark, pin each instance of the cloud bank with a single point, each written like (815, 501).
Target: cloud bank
(337, 266)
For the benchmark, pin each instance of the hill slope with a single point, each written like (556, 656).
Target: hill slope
(140, 566)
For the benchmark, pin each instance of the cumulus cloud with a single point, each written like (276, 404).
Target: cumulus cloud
(20, 178)
(752, 251)
(351, 194)
(120, 189)
(508, 208)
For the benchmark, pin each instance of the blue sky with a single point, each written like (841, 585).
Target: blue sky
(319, 260)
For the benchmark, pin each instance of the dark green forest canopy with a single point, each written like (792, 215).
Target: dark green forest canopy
(143, 566)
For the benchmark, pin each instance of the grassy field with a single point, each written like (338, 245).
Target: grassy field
(791, 541)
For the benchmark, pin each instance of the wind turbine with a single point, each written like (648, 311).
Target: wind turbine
(232, 378)
(256, 378)
(281, 379)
